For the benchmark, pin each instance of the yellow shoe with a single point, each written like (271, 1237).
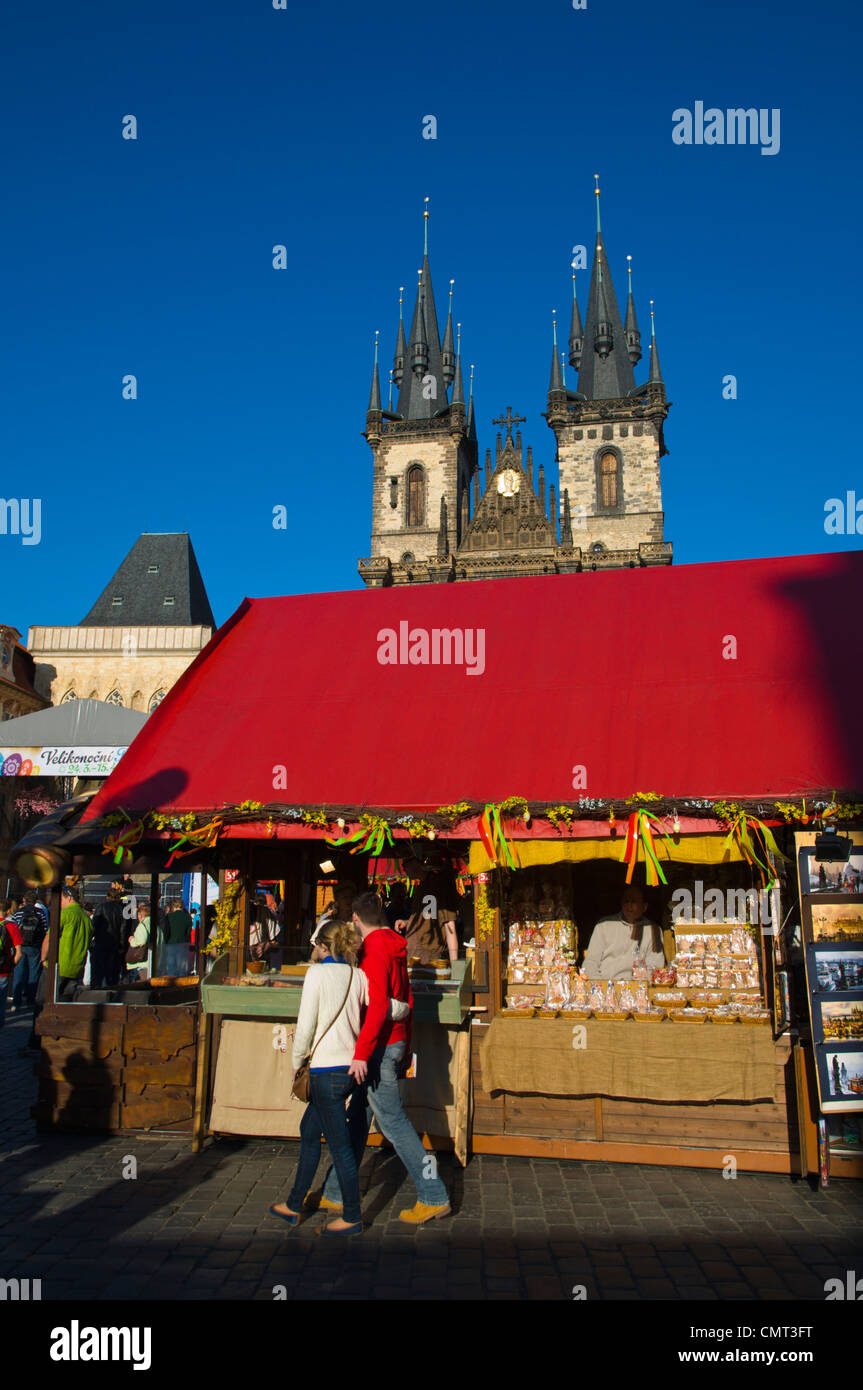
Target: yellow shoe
(419, 1213)
(322, 1203)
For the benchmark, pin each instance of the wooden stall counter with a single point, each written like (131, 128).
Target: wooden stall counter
(250, 1029)
(653, 1092)
(648, 1061)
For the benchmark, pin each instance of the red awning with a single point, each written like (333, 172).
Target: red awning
(733, 680)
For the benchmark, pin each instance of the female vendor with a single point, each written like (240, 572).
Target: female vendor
(618, 943)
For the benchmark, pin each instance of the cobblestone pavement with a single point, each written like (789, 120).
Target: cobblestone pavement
(197, 1226)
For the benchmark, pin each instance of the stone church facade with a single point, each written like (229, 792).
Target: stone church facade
(439, 515)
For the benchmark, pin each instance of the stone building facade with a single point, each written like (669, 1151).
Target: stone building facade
(438, 516)
(145, 629)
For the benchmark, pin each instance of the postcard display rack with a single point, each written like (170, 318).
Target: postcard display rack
(715, 977)
(832, 922)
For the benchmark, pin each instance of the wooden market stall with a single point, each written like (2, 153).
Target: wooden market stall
(727, 690)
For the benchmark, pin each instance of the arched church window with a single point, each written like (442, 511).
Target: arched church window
(115, 698)
(155, 700)
(416, 495)
(608, 475)
(70, 695)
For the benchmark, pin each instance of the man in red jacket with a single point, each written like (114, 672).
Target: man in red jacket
(381, 1057)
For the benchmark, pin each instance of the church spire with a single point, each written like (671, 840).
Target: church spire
(471, 415)
(447, 354)
(630, 328)
(576, 331)
(375, 393)
(458, 386)
(556, 381)
(655, 371)
(606, 369)
(401, 345)
(423, 387)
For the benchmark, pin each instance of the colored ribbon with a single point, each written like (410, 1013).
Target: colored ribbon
(202, 838)
(377, 834)
(119, 844)
(640, 830)
(493, 837)
(757, 843)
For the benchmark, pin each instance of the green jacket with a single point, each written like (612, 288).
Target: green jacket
(178, 927)
(75, 932)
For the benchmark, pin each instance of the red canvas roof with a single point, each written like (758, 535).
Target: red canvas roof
(732, 680)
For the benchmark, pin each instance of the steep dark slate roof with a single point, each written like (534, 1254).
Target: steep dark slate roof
(598, 378)
(411, 403)
(144, 594)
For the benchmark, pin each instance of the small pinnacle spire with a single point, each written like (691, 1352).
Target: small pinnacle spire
(603, 338)
(556, 382)
(401, 343)
(447, 354)
(596, 194)
(458, 387)
(655, 372)
(375, 394)
(390, 401)
(426, 228)
(471, 416)
(630, 328)
(576, 331)
(552, 513)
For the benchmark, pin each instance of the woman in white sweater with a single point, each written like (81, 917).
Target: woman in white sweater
(335, 992)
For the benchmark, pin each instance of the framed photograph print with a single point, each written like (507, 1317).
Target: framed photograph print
(840, 1076)
(838, 1018)
(832, 918)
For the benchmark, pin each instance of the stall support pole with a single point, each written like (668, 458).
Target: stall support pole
(202, 1080)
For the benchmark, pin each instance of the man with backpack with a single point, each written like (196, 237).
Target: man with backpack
(10, 951)
(32, 920)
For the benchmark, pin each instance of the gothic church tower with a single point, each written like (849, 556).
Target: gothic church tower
(609, 431)
(425, 452)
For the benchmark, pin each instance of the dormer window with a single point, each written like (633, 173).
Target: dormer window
(116, 602)
(152, 569)
(169, 601)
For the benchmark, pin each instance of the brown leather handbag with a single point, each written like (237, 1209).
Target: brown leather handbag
(302, 1087)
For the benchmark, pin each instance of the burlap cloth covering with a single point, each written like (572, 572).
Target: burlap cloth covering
(638, 1061)
(252, 1092)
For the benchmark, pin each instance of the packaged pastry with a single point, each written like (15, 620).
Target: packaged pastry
(626, 1002)
(557, 990)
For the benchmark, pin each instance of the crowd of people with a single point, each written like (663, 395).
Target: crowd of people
(102, 945)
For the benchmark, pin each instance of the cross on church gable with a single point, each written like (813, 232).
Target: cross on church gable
(509, 420)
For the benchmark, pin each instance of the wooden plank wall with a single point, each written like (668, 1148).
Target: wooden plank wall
(112, 1067)
(767, 1126)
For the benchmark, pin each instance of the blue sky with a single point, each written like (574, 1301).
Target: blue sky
(304, 127)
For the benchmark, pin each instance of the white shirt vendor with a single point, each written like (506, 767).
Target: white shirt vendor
(612, 952)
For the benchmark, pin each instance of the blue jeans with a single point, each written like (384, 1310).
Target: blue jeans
(384, 1102)
(325, 1114)
(4, 986)
(26, 976)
